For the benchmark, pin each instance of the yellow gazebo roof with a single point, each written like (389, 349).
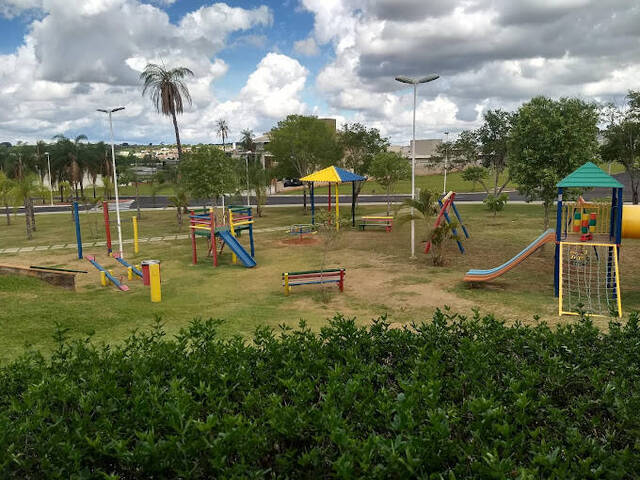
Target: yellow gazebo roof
(334, 175)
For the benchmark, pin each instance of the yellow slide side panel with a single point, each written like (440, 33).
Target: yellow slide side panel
(631, 221)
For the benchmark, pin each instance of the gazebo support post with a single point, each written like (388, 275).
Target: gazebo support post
(313, 211)
(353, 203)
(329, 208)
(337, 207)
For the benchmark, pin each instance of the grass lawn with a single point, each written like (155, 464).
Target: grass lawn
(381, 279)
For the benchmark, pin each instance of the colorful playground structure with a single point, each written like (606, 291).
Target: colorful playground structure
(204, 225)
(587, 240)
(107, 228)
(106, 276)
(334, 175)
(302, 230)
(446, 204)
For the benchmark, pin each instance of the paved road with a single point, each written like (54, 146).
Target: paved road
(163, 201)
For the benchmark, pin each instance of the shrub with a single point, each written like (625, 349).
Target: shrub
(453, 398)
(496, 203)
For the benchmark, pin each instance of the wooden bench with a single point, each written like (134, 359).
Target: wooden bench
(311, 277)
(385, 222)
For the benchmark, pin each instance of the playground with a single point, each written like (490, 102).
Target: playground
(379, 277)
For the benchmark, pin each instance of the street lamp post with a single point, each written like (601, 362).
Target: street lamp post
(115, 176)
(50, 183)
(446, 161)
(414, 82)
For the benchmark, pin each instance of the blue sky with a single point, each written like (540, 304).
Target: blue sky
(256, 62)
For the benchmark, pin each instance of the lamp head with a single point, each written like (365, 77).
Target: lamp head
(408, 80)
(429, 78)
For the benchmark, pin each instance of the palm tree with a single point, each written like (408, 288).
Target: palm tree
(223, 130)
(181, 201)
(24, 190)
(246, 140)
(167, 89)
(81, 154)
(6, 189)
(425, 207)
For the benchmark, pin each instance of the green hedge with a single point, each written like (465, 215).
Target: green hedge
(453, 398)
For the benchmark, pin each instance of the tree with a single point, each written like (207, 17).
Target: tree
(359, 145)
(493, 137)
(622, 140)
(259, 179)
(388, 168)
(494, 203)
(549, 139)
(466, 147)
(181, 201)
(208, 173)
(439, 236)
(475, 175)
(25, 187)
(301, 144)
(223, 131)
(6, 189)
(246, 141)
(167, 88)
(425, 206)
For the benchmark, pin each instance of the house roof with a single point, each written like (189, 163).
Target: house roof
(589, 175)
(333, 174)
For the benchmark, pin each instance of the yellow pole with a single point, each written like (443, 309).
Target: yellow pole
(129, 273)
(135, 235)
(154, 282)
(337, 208)
(286, 284)
(103, 279)
(618, 292)
(560, 283)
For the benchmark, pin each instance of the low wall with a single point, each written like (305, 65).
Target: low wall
(59, 279)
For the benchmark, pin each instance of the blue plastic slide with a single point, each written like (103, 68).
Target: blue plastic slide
(236, 248)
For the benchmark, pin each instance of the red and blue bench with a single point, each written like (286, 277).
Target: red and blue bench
(313, 277)
(382, 221)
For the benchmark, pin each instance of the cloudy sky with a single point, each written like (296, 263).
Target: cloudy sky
(255, 62)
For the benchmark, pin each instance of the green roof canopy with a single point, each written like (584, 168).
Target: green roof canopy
(589, 175)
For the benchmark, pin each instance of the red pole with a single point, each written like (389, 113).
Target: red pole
(213, 238)
(107, 228)
(194, 255)
(329, 216)
(341, 284)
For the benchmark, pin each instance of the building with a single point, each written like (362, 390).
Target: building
(427, 157)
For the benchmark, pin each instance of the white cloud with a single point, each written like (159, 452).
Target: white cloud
(87, 54)
(489, 53)
(307, 47)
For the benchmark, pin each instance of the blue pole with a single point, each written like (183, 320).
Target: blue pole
(619, 217)
(313, 217)
(556, 260)
(76, 219)
(253, 253)
(613, 215)
(455, 210)
(455, 232)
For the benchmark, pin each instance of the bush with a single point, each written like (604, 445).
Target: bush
(495, 203)
(454, 398)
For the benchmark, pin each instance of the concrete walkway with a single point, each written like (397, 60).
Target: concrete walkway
(74, 246)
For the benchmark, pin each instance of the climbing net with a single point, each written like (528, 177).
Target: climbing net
(589, 279)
